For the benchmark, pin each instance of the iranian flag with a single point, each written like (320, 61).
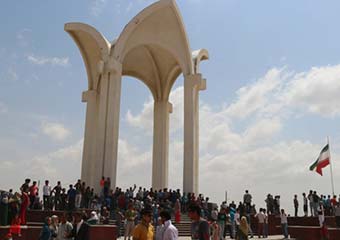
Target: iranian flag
(322, 161)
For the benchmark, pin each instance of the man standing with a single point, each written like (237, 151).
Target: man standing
(33, 190)
(78, 194)
(261, 218)
(310, 199)
(247, 199)
(337, 214)
(47, 195)
(265, 226)
(305, 204)
(25, 187)
(284, 223)
(170, 232)
(296, 205)
(316, 200)
(144, 230)
(71, 198)
(57, 196)
(130, 216)
(199, 226)
(80, 229)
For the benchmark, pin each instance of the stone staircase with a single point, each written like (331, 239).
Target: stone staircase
(184, 227)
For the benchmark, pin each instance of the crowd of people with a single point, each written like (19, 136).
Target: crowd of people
(317, 204)
(153, 208)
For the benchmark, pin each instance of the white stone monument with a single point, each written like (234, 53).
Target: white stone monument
(154, 48)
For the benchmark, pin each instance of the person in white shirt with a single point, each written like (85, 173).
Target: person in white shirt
(284, 223)
(261, 218)
(170, 232)
(47, 195)
(159, 229)
(65, 228)
(321, 214)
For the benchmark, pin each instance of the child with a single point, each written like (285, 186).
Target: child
(15, 226)
(215, 228)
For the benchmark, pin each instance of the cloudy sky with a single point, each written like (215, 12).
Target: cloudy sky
(273, 95)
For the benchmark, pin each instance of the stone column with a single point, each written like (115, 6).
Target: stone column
(108, 124)
(101, 131)
(88, 162)
(113, 113)
(160, 144)
(192, 85)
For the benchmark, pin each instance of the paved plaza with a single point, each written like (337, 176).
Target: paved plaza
(276, 237)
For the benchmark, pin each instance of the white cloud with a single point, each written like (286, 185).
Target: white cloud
(144, 119)
(317, 91)
(3, 108)
(55, 131)
(262, 131)
(62, 164)
(54, 61)
(253, 97)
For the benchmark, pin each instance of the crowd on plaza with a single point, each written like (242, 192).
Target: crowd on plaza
(153, 208)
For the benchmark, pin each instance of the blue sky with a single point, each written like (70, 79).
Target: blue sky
(272, 99)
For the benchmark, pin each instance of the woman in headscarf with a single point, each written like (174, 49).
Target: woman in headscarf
(94, 219)
(243, 229)
(177, 211)
(45, 233)
(54, 226)
(14, 207)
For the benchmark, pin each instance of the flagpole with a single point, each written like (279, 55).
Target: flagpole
(331, 168)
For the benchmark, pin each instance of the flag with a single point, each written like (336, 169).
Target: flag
(322, 161)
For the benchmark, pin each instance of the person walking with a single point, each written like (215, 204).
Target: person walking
(199, 226)
(144, 230)
(170, 232)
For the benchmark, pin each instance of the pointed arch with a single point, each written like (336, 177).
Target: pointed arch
(146, 29)
(93, 47)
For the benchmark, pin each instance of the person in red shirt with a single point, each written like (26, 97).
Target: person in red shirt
(333, 204)
(23, 208)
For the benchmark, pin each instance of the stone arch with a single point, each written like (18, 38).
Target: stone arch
(93, 47)
(146, 28)
(154, 48)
